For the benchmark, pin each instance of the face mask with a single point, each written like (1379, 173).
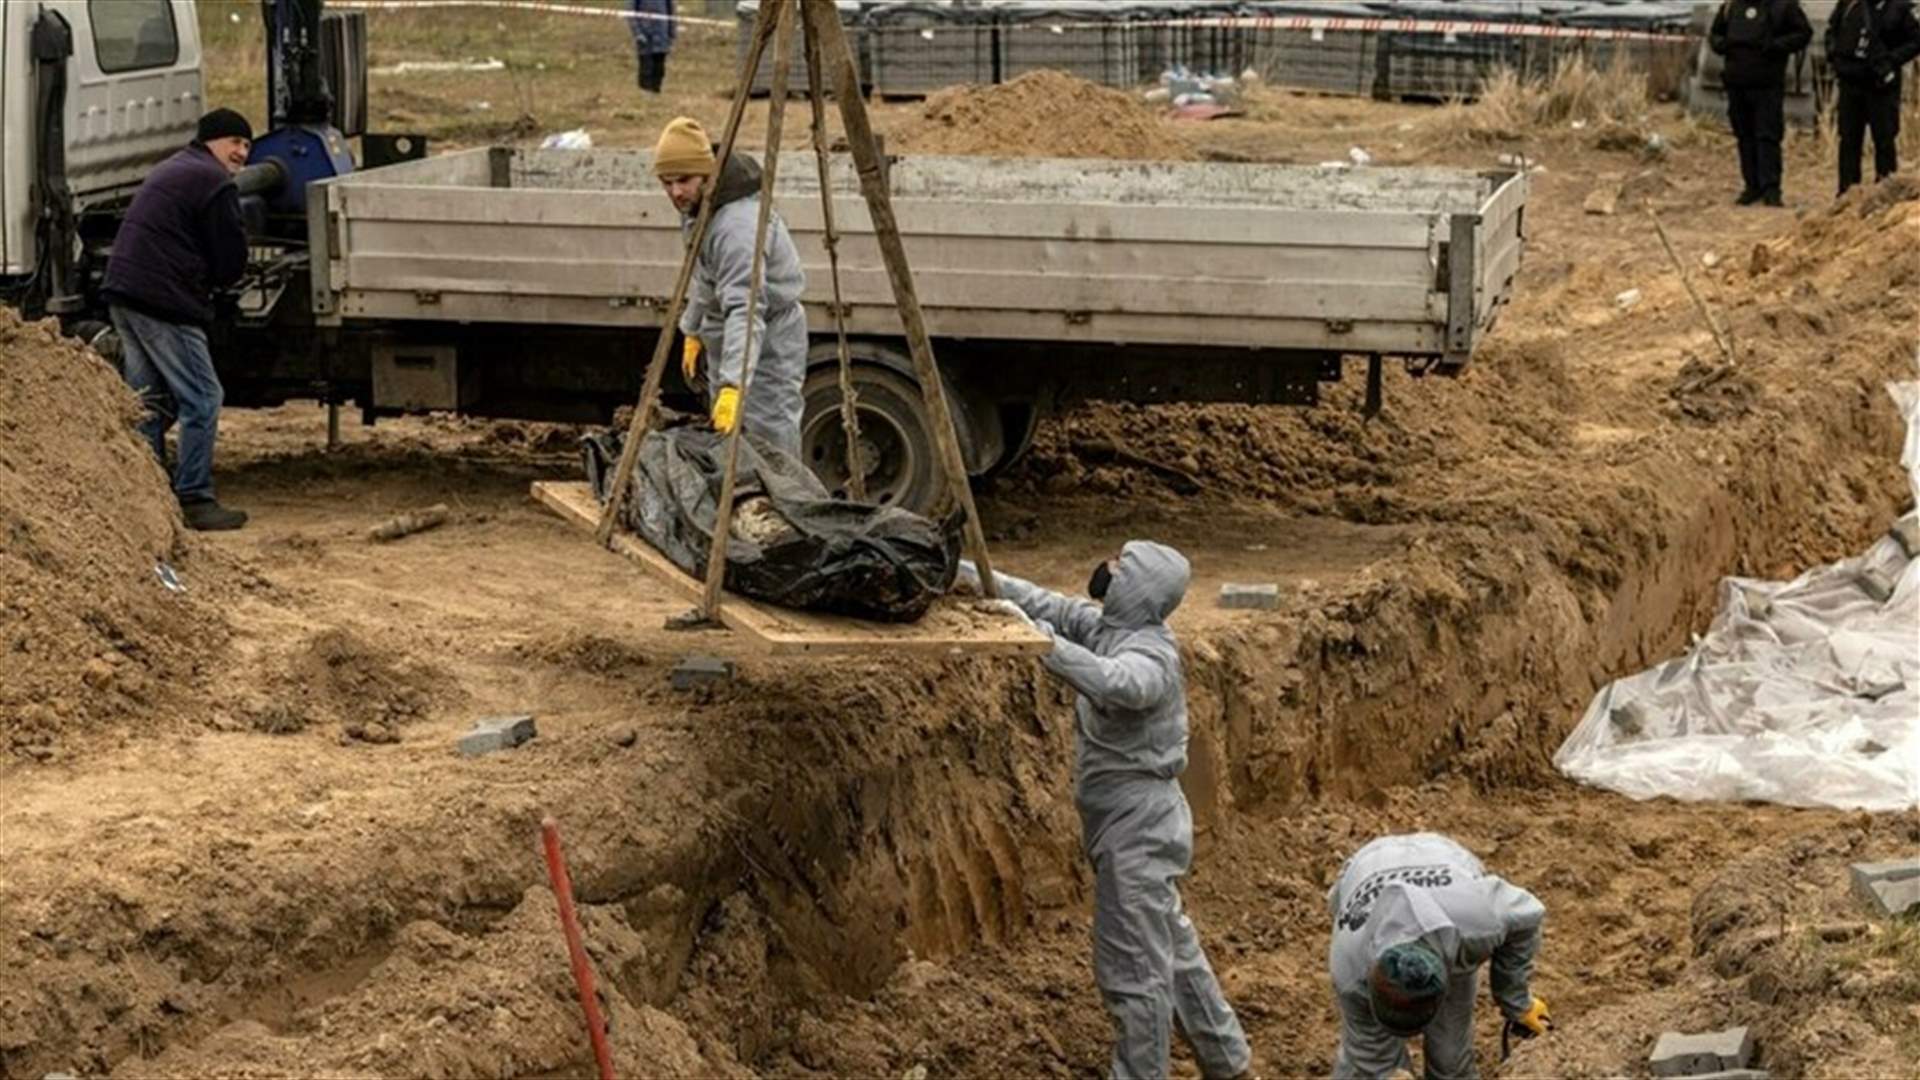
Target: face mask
(1098, 583)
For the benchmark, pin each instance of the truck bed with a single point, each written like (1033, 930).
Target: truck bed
(1341, 261)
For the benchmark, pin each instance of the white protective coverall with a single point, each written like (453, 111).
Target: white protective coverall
(1130, 749)
(1426, 888)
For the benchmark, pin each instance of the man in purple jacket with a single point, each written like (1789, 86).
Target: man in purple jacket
(652, 26)
(182, 239)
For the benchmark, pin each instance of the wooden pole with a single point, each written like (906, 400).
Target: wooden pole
(823, 18)
(1720, 337)
(776, 113)
(849, 412)
(643, 413)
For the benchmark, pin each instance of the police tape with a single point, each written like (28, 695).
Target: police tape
(1315, 25)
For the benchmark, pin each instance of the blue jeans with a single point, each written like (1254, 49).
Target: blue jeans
(169, 366)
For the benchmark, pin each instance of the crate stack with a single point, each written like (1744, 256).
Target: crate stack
(910, 48)
(1448, 65)
(851, 17)
(1322, 61)
(1091, 39)
(915, 49)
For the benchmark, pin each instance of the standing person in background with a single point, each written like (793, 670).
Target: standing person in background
(1756, 37)
(1868, 42)
(653, 28)
(181, 240)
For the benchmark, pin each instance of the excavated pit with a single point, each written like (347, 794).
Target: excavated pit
(859, 868)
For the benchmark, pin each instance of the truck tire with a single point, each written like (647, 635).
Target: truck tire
(896, 438)
(1019, 422)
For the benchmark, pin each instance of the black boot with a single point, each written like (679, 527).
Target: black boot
(1747, 198)
(1772, 198)
(207, 515)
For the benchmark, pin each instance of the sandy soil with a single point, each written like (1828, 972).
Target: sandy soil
(275, 863)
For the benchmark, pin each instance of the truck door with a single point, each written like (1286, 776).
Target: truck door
(133, 89)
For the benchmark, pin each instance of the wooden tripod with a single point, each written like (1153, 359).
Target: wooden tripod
(826, 50)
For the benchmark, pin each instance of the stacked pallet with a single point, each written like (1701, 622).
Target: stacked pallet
(914, 47)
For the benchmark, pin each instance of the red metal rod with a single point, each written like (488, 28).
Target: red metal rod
(576, 952)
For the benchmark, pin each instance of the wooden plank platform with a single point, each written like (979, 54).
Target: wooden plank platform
(952, 625)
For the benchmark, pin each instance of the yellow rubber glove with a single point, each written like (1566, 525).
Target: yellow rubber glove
(690, 358)
(1535, 1021)
(726, 410)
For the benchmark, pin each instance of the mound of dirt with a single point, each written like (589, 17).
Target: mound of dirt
(89, 632)
(1041, 114)
(337, 675)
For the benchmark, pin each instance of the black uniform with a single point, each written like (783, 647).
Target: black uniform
(1756, 37)
(1868, 42)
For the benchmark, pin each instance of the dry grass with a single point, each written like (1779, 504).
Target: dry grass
(1512, 107)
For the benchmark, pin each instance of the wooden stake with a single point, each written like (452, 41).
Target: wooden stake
(849, 413)
(1720, 337)
(576, 951)
(776, 114)
(643, 414)
(823, 19)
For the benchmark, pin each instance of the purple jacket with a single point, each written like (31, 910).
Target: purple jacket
(181, 239)
(652, 35)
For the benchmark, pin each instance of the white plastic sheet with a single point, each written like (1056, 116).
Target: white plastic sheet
(1805, 693)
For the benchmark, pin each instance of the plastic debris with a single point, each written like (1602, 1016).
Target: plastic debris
(1806, 699)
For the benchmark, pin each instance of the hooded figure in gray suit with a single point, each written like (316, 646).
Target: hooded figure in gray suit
(1130, 749)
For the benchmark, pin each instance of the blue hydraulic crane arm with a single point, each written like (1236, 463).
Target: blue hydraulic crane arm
(297, 91)
(301, 138)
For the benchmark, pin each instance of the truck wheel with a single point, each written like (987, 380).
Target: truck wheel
(1019, 422)
(896, 447)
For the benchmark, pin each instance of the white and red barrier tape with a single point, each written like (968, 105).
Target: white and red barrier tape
(1449, 28)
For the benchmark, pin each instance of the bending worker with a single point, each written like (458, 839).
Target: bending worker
(1414, 917)
(715, 320)
(1130, 749)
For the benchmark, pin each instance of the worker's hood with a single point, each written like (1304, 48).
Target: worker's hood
(739, 179)
(1148, 584)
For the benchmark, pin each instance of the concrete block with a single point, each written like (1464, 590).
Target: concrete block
(1896, 871)
(1675, 1054)
(1263, 597)
(1892, 899)
(1876, 582)
(1906, 532)
(496, 733)
(695, 670)
(1869, 877)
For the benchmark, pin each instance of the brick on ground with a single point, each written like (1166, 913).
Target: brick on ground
(496, 733)
(1888, 888)
(1675, 1054)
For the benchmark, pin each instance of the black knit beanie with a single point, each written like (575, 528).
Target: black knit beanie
(223, 124)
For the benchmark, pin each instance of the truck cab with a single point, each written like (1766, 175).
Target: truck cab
(79, 131)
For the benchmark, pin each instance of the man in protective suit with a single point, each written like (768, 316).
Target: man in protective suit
(1414, 917)
(1130, 749)
(715, 319)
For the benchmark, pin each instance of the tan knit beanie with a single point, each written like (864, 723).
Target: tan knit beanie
(683, 149)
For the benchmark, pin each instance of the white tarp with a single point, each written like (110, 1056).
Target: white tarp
(1805, 693)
